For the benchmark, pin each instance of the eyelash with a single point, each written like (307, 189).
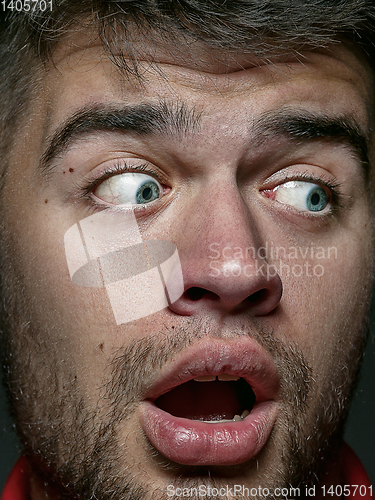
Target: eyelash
(120, 167)
(85, 190)
(332, 186)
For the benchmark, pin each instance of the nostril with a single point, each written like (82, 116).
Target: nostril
(195, 293)
(258, 296)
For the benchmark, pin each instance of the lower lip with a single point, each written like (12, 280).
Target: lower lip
(191, 442)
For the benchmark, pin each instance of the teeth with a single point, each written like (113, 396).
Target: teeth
(205, 378)
(225, 377)
(236, 418)
(215, 421)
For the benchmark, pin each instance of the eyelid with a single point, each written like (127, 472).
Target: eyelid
(117, 167)
(331, 185)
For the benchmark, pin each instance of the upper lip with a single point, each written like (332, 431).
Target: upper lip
(242, 357)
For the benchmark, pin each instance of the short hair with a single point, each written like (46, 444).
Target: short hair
(263, 28)
(254, 26)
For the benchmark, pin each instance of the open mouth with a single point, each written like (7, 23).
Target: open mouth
(216, 404)
(211, 399)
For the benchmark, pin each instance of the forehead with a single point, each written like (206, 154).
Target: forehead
(329, 81)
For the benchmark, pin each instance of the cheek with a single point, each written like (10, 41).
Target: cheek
(327, 310)
(73, 324)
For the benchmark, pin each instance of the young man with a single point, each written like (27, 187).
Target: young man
(186, 245)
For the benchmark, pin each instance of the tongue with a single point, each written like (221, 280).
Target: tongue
(208, 400)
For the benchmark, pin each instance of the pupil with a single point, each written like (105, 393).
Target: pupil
(147, 193)
(315, 199)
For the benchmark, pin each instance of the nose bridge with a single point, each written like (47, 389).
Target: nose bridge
(226, 230)
(220, 250)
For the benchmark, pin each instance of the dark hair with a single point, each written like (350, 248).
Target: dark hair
(260, 27)
(256, 26)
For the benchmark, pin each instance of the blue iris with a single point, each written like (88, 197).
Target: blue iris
(317, 199)
(147, 192)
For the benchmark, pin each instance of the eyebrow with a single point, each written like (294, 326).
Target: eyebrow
(161, 118)
(176, 118)
(305, 126)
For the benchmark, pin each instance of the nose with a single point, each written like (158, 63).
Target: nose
(224, 257)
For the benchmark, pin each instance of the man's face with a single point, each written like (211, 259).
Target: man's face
(258, 175)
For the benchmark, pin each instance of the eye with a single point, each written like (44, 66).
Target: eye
(304, 196)
(128, 188)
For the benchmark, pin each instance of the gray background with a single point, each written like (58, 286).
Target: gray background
(360, 433)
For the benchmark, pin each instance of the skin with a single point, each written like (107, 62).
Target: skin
(219, 188)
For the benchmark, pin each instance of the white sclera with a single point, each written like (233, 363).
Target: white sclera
(296, 194)
(122, 189)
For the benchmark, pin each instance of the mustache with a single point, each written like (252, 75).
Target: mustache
(134, 367)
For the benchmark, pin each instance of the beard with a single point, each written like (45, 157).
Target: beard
(78, 449)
